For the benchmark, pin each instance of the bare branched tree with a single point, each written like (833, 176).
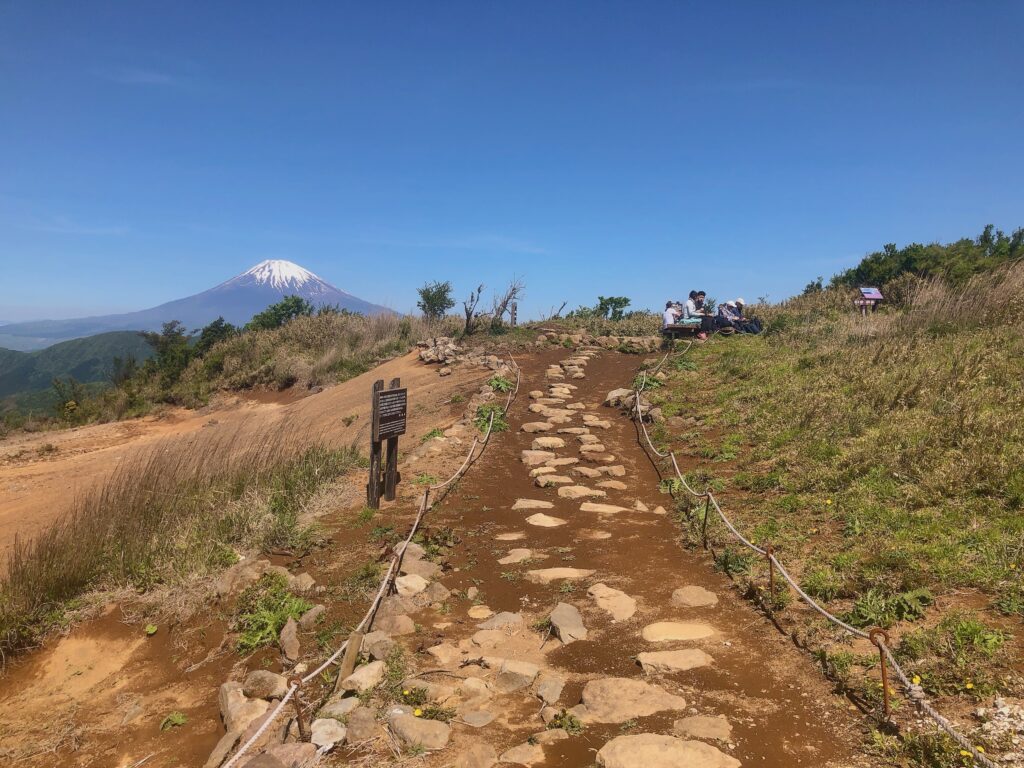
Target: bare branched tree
(502, 302)
(470, 308)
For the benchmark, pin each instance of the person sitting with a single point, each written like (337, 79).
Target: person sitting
(732, 313)
(671, 315)
(694, 310)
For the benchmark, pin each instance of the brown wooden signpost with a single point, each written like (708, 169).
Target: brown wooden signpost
(390, 411)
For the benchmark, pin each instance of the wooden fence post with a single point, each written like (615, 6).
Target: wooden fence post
(391, 458)
(373, 486)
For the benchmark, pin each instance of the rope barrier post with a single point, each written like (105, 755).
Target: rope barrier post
(348, 661)
(704, 522)
(769, 552)
(879, 637)
(297, 701)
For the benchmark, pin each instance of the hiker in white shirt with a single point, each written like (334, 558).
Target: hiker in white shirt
(671, 315)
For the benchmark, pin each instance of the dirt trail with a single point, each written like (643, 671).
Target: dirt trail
(778, 711)
(38, 483)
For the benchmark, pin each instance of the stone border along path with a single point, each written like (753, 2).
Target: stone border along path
(570, 628)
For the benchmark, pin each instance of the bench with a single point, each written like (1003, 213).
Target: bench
(680, 330)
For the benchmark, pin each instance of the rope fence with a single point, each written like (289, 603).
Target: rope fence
(393, 568)
(914, 693)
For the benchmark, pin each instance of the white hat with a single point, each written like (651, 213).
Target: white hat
(730, 303)
(740, 301)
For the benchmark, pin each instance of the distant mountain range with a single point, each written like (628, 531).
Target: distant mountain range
(86, 360)
(236, 300)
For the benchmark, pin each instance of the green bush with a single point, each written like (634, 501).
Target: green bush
(263, 610)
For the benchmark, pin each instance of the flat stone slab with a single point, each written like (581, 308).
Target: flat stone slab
(516, 556)
(545, 481)
(532, 504)
(608, 509)
(548, 575)
(684, 660)
(533, 458)
(579, 492)
(649, 750)
(410, 585)
(594, 535)
(573, 431)
(618, 699)
(588, 439)
(586, 472)
(615, 470)
(538, 471)
(525, 754)
(565, 461)
(664, 631)
(704, 727)
(536, 426)
(545, 521)
(612, 485)
(513, 536)
(694, 597)
(478, 718)
(592, 448)
(620, 605)
(546, 443)
(503, 620)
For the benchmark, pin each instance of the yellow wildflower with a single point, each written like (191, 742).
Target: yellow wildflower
(417, 712)
(828, 501)
(969, 685)
(979, 748)
(916, 680)
(405, 692)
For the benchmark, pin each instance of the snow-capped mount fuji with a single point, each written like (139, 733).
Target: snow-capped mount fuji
(236, 300)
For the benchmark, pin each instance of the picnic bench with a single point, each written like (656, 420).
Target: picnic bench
(680, 330)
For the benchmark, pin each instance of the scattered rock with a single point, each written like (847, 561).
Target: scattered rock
(503, 620)
(704, 727)
(366, 677)
(612, 485)
(538, 471)
(222, 749)
(548, 575)
(327, 732)
(295, 755)
(550, 736)
(545, 521)
(618, 699)
(396, 625)
(523, 754)
(586, 472)
(649, 750)
(694, 597)
(478, 718)
(674, 661)
(410, 585)
(548, 687)
(620, 605)
(639, 506)
(303, 582)
(428, 734)
(616, 470)
(473, 592)
(614, 398)
(239, 576)
(479, 612)
(289, 640)
(263, 761)
(436, 592)
(514, 675)
(309, 618)
(377, 644)
(264, 684)
(477, 755)
(446, 654)
(362, 725)
(663, 631)
(339, 708)
(592, 448)
(567, 623)
(415, 567)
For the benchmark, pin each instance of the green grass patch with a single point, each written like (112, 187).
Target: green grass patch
(263, 610)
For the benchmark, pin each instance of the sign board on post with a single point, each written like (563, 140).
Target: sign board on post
(388, 419)
(390, 410)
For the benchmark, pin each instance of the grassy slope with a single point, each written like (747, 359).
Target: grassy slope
(885, 462)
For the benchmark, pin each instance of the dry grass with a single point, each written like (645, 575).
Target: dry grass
(172, 514)
(307, 350)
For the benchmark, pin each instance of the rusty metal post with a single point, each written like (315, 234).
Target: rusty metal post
(297, 701)
(877, 636)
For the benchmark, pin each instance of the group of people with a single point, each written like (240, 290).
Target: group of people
(730, 314)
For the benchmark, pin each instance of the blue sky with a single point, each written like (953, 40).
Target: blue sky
(149, 150)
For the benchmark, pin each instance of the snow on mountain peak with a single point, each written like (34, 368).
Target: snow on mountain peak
(281, 274)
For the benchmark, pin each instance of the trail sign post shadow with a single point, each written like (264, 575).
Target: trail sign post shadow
(390, 411)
